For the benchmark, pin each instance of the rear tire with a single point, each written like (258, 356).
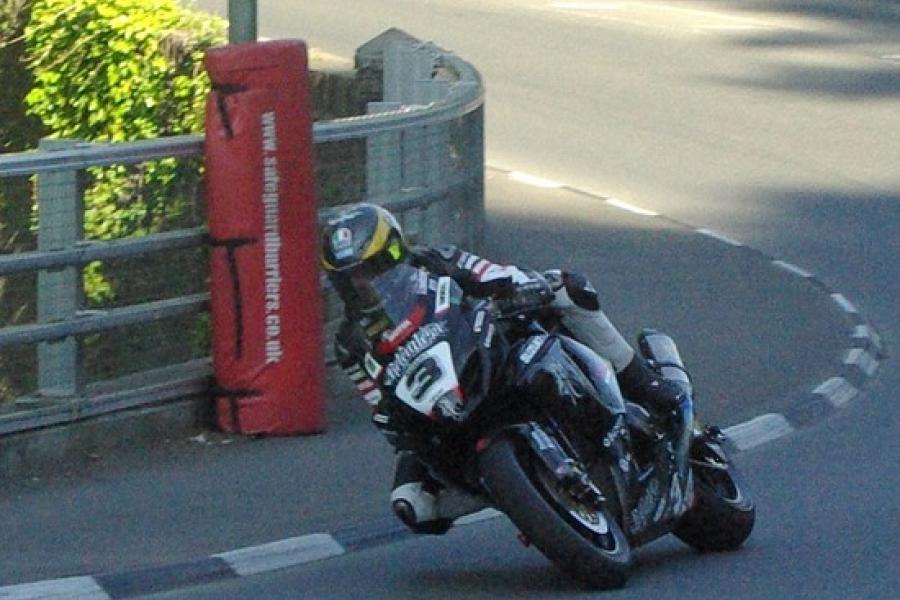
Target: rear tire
(577, 541)
(723, 514)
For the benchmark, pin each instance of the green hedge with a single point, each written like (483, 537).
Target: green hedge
(110, 70)
(116, 70)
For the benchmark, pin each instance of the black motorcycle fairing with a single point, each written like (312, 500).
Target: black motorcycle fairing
(556, 372)
(453, 375)
(439, 352)
(598, 371)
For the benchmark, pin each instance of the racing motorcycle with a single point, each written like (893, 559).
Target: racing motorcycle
(507, 407)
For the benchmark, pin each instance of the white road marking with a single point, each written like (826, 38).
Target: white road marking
(586, 5)
(534, 180)
(82, 588)
(792, 268)
(631, 208)
(481, 515)
(719, 236)
(674, 17)
(838, 391)
(862, 359)
(281, 554)
(845, 304)
(865, 332)
(758, 431)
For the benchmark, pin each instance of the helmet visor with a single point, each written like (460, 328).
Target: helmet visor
(393, 294)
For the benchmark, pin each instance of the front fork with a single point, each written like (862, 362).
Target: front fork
(682, 436)
(559, 463)
(663, 490)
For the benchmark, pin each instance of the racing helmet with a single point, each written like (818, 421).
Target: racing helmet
(358, 244)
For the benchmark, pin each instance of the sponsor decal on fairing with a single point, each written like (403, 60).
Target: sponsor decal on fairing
(531, 348)
(422, 339)
(442, 298)
(373, 367)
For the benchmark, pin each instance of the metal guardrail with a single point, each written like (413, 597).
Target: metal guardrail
(424, 159)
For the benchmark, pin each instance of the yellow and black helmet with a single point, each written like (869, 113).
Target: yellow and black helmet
(359, 243)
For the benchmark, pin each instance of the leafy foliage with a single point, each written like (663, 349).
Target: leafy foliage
(107, 71)
(122, 70)
(116, 70)
(17, 132)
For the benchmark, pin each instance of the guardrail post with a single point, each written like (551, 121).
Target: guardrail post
(241, 21)
(60, 196)
(436, 137)
(405, 67)
(440, 221)
(383, 153)
(475, 166)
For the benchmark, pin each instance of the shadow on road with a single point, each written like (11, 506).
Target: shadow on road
(864, 31)
(884, 14)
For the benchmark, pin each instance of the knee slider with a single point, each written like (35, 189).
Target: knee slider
(416, 508)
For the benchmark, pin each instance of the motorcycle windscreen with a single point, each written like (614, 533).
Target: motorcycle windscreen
(397, 292)
(428, 338)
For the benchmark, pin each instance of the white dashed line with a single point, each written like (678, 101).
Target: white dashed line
(720, 237)
(862, 359)
(82, 588)
(631, 208)
(865, 332)
(758, 431)
(792, 268)
(481, 515)
(845, 304)
(534, 181)
(586, 5)
(281, 554)
(838, 391)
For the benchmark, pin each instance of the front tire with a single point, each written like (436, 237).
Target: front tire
(723, 514)
(587, 544)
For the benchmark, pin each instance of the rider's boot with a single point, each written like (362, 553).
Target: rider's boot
(641, 384)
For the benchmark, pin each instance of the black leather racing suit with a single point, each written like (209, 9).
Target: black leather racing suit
(476, 276)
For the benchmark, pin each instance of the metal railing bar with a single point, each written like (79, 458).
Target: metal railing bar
(89, 251)
(407, 117)
(102, 321)
(464, 98)
(100, 154)
(194, 383)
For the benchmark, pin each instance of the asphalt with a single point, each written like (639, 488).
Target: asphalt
(137, 512)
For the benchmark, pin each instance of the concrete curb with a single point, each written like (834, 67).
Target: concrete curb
(242, 562)
(859, 362)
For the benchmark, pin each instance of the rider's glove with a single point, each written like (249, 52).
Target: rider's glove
(572, 289)
(530, 294)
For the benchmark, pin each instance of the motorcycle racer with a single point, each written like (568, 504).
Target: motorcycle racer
(365, 240)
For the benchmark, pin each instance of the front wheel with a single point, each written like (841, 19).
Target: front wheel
(723, 514)
(586, 543)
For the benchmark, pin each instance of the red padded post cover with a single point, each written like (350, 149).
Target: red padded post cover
(266, 303)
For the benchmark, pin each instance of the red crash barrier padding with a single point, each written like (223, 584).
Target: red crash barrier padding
(266, 303)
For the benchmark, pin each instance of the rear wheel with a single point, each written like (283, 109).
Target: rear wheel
(583, 541)
(723, 514)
